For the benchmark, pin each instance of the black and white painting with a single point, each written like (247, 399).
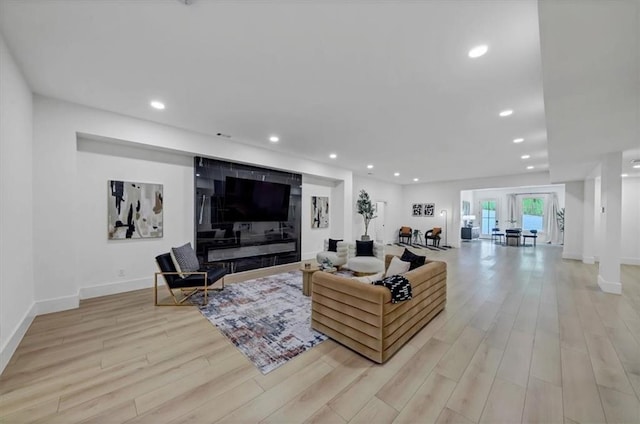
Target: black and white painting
(134, 210)
(429, 209)
(417, 209)
(319, 212)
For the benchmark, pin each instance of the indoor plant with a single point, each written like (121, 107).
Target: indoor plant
(365, 208)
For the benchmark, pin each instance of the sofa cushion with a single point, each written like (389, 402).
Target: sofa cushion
(364, 248)
(416, 260)
(368, 279)
(333, 245)
(184, 258)
(397, 266)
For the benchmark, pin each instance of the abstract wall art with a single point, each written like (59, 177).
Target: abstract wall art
(134, 210)
(417, 209)
(319, 212)
(429, 209)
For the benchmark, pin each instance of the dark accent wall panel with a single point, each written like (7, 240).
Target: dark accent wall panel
(245, 245)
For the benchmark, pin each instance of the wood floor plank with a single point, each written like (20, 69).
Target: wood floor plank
(428, 401)
(279, 395)
(451, 417)
(325, 415)
(580, 398)
(471, 393)
(375, 411)
(517, 358)
(397, 391)
(221, 405)
(607, 367)
(505, 403)
(543, 403)
(453, 364)
(620, 407)
(545, 361)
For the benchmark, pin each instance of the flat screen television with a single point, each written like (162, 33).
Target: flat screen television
(251, 200)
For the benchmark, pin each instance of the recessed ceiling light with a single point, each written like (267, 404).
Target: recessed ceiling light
(530, 167)
(416, 179)
(624, 175)
(636, 166)
(518, 140)
(525, 157)
(157, 105)
(333, 156)
(369, 166)
(396, 174)
(197, 175)
(506, 112)
(478, 51)
(274, 139)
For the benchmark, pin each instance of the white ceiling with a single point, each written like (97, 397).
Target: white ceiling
(381, 82)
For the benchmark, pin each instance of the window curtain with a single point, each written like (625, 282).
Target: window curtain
(551, 226)
(512, 210)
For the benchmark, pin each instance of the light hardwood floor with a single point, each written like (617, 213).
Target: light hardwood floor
(526, 336)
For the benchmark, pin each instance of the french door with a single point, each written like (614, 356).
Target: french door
(488, 216)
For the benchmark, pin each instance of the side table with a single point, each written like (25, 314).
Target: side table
(307, 273)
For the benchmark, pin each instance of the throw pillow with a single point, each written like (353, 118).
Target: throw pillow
(333, 245)
(397, 267)
(185, 259)
(416, 260)
(368, 279)
(364, 248)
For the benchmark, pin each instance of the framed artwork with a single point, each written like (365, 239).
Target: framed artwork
(429, 209)
(417, 209)
(319, 212)
(134, 210)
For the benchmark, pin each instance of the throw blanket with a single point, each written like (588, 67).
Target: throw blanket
(399, 286)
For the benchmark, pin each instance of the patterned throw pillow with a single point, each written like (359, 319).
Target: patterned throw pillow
(364, 248)
(333, 245)
(416, 261)
(185, 259)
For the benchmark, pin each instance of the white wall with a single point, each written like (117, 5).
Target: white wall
(56, 166)
(313, 238)
(574, 220)
(630, 249)
(446, 195)
(113, 266)
(17, 307)
(379, 191)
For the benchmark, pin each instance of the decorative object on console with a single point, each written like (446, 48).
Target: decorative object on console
(468, 220)
(134, 210)
(319, 212)
(366, 209)
(267, 319)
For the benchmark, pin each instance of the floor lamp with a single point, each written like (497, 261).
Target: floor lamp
(443, 212)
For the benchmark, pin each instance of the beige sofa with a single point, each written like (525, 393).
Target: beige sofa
(362, 317)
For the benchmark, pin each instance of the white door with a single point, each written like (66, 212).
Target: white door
(379, 227)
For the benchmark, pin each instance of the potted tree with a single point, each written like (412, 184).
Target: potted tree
(365, 208)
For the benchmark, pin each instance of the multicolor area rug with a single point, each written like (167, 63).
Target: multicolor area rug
(268, 319)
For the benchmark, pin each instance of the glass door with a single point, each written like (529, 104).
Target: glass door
(487, 216)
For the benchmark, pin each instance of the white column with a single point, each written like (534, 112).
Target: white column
(588, 225)
(611, 213)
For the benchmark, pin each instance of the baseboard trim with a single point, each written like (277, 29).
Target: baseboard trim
(57, 304)
(630, 261)
(609, 286)
(589, 260)
(572, 255)
(115, 288)
(14, 340)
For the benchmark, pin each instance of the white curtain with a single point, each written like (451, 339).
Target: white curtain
(551, 227)
(512, 210)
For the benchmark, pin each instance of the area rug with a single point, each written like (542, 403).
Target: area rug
(268, 319)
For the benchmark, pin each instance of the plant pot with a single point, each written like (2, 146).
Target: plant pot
(365, 238)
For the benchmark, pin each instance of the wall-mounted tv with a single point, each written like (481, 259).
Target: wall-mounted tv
(250, 200)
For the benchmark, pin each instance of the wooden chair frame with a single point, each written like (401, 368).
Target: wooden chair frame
(190, 291)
